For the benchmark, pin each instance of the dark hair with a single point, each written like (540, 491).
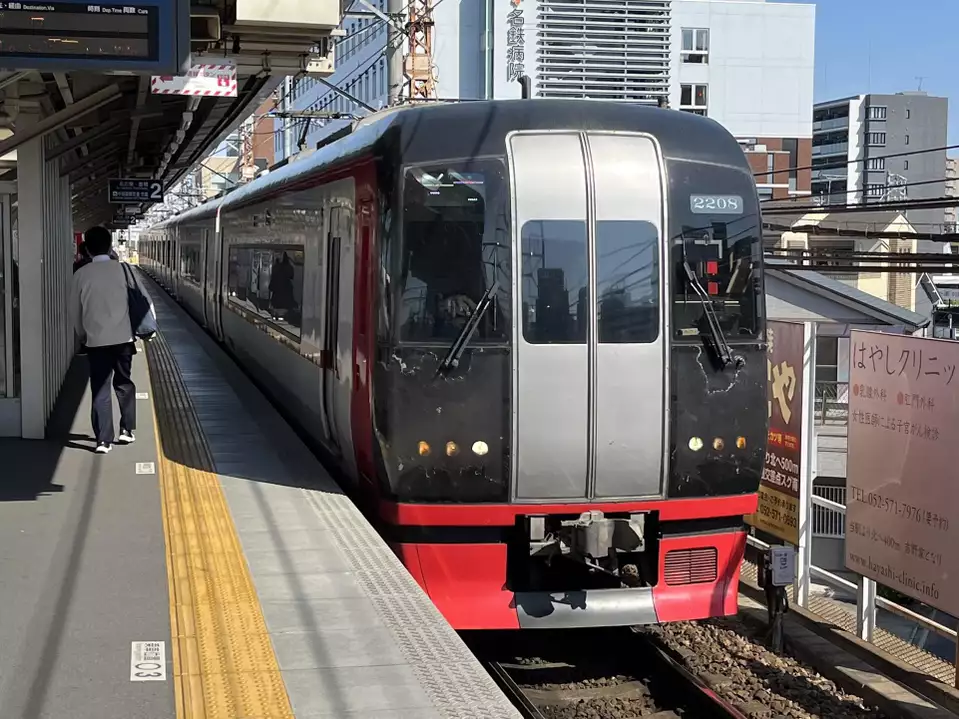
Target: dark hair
(98, 240)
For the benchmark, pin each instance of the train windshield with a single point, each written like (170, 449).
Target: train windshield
(716, 236)
(455, 245)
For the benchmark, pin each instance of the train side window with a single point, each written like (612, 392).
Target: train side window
(627, 281)
(190, 266)
(268, 283)
(455, 244)
(555, 270)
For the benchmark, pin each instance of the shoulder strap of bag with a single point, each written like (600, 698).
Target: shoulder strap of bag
(128, 275)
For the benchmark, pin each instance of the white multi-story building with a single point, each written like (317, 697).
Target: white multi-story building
(746, 63)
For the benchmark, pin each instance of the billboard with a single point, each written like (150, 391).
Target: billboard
(903, 447)
(778, 510)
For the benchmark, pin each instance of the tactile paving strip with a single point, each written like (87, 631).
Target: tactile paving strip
(457, 684)
(834, 613)
(224, 665)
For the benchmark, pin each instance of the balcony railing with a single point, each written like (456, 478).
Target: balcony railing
(835, 148)
(836, 123)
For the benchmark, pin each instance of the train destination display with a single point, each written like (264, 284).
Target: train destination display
(901, 510)
(138, 36)
(778, 510)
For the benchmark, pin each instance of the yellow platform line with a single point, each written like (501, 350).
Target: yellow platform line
(224, 666)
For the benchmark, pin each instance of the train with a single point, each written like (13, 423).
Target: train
(529, 336)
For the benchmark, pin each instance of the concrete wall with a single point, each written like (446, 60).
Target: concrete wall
(761, 64)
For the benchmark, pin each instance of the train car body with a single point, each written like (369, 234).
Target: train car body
(531, 335)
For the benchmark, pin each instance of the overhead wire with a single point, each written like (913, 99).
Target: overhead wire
(917, 204)
(919, 183)
(859, 160)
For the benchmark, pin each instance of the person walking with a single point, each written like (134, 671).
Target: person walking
(100, 307)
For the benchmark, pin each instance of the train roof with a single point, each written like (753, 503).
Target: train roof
(443, 131)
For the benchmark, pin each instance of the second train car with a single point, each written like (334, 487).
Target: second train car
(530, 333)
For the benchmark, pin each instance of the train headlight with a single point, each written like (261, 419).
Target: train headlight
(480, 448)
(695, 444)
(423, 448)
(718, 444)
(740, 443)
(452, 449)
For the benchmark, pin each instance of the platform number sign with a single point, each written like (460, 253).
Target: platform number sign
(148, 662)
(133, 191)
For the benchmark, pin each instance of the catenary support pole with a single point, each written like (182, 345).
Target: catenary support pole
(395, 52)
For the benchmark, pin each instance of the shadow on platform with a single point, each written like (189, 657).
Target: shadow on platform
(28, 466)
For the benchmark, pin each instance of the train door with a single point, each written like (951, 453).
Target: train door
(361, 408)
(216, 280)
(205, 261)
(337, 338)
(589, 388)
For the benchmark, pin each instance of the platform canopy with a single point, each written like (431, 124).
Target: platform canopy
(107, 121)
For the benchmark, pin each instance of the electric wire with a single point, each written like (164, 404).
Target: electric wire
(845, 163)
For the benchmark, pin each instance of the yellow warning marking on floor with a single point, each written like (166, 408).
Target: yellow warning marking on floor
(224, 666)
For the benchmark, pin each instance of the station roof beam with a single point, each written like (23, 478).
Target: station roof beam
(108, 115)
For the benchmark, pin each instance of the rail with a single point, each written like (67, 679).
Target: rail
(545, 676)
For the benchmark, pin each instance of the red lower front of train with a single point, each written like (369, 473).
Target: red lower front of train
(698, 569)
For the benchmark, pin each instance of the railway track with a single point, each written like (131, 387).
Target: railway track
(600, 674)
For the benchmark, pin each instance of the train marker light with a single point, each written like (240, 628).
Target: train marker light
(452, 449)
(718, 444)
(740, 442)
(480, 448)
(423, 448)
(695, 444)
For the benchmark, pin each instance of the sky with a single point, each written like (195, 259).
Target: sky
(886, 46)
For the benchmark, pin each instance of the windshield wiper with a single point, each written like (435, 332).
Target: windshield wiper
(452, 359)
(719, 345)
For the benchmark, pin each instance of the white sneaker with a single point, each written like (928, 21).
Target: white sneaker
(103, 449)
(126, 437)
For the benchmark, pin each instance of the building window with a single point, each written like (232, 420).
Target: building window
(876, 163)
(693, 99)
(877, 113)
(874, 190)
(876, 139)
(907, 139)
(905, 164)
(695, 45)
(908, 113)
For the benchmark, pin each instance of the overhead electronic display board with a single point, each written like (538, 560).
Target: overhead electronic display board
(144, 36)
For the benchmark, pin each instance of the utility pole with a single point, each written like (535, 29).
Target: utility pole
(395, 50)
(287, 107)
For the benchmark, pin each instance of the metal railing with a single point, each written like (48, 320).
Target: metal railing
(832, 403)
(826, 522)
(833, 148)
(867, 599)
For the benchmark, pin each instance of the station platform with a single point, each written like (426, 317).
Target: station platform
(212, 569)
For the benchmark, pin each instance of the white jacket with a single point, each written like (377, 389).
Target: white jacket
(98, 303)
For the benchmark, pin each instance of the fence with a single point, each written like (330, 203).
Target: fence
(826, 522)
(865, 590)
(832, 403)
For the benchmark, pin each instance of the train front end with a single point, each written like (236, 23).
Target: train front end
(570, 385)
